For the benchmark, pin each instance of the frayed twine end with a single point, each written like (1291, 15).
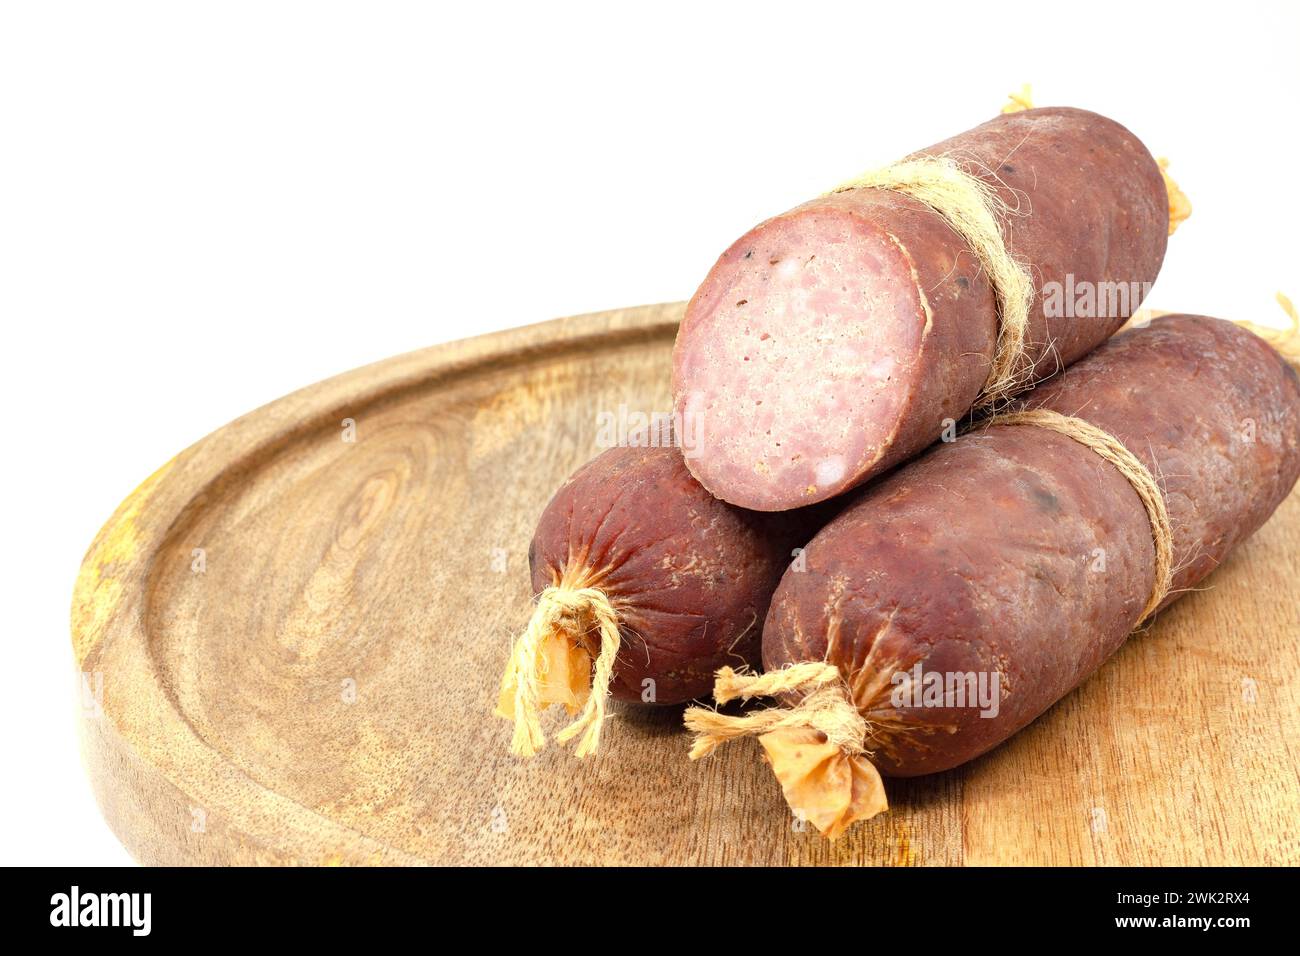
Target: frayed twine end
(1284, 340)
(815, 747)
(1180, 207)
(1019, 102)
(550, 664)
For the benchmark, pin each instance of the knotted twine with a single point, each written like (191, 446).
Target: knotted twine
(815, 747)
(825, 707)
(561, 614)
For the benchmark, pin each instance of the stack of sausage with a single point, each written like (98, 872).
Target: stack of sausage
(858, 509)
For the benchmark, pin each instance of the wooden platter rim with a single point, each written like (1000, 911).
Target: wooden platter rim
(110, 604)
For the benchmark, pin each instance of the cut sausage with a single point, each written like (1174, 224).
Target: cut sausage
(687, 578)
(831, 342)
(964, 594)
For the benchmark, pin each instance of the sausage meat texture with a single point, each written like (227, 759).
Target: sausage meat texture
(831, 342)
(1016, 551)
(688, 578)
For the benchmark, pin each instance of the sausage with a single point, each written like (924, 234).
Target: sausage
(688, 578)
(1022, 557)
(833, 341)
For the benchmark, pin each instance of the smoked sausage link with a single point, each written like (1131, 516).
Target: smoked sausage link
(690, 577)
(831, 342)
(1019, 553)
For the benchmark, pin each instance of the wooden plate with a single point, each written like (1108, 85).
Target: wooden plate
(290, 644)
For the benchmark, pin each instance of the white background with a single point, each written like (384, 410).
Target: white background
(203, 207)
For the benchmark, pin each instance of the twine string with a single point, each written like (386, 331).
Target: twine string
(1130, 467)
(826, 706)
(975, 211)
(561, 613)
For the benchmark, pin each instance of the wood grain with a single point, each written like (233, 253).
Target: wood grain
(290, 645)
